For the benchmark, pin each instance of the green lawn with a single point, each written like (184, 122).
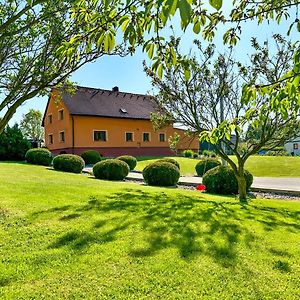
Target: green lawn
(68, 236)
(260, 166)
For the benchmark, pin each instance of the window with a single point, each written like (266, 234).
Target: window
(100, 135)
(50, 138)
(61, 114)
(295, 146)
(162, 137)
(146, 137)
(129, 137)
(62, 136)
(50, 119)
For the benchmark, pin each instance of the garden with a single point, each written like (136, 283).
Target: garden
(68, 235)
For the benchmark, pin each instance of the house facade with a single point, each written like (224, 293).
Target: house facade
(111, 122)
(293, 147)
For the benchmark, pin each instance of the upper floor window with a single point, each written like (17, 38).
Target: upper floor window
(50, 119)
(62, 136)
(162, 137)
(61, 114)
(50, 138)
(129, 136)
(100, 135)
(295, 146)
(146, 137)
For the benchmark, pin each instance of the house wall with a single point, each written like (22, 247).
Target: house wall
(84, 127)
(57, 125)
(290, 147)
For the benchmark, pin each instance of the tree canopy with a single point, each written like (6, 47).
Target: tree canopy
(43, 42)
(209, 94)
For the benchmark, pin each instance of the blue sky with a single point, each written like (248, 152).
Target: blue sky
(127, 72)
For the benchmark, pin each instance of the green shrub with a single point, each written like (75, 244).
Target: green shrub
(111, 169)
(161, 174)
(39, 156)
(221, 180)
(209, 153)
(130, 161)
(188, 153)
(13, 145)
(206, 164)
(170, 160)
(195, 155)
(91, 157)
(68, 163)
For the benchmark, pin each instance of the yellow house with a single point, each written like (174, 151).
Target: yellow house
(111, 122)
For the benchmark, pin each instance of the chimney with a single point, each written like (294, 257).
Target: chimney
(115, 89)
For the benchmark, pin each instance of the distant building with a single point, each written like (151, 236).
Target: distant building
(109, 121)
(293, 147)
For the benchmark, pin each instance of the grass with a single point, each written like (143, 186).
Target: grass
(68, 236)
(260, 166)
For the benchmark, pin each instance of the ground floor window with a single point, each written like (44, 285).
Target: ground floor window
(100, 135)
(162, 137)
(50, 138)
(146, 137)
(129, 136)
(295, 146)
(62, 136)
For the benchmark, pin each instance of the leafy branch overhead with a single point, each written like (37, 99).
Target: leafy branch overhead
(43, 42)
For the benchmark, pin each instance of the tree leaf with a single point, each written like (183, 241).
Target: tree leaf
(217, 4)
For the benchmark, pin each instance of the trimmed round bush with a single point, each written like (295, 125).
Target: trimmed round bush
(39, 156)
(170, 160)
(111, 169)
(68, 163)
(188, 153)
(221, 180)
(206, 164)
(91, 157)
(195, 155)
(130, 161)
(161, 174)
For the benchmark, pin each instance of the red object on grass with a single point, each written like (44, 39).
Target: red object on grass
(201, 187)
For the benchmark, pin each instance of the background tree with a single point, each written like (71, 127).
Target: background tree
(13, 145)
(31, 126)
(206, 95)
(43, 42)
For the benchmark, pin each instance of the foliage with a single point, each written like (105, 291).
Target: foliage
(204, 94)
(39, 156)
(68, 163)
(130, 160)
(208, 153)
(222, 180)
(188, 153)
(111, 169)
(13, 145)
(170, 160)
(173, 142)
(90, 157)
(31, 126)
(195, 155)
(206, 164)
(282, 152)
(161, 174)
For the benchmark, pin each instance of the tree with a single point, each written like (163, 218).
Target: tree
(43, 42)
(13, 145)
(206, 95)
(31, 126)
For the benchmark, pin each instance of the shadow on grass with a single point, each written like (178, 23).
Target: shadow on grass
(191, 225)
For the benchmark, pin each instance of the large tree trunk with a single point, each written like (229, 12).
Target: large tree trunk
(242, 187)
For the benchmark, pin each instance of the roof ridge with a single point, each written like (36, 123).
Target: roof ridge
(110, 91)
